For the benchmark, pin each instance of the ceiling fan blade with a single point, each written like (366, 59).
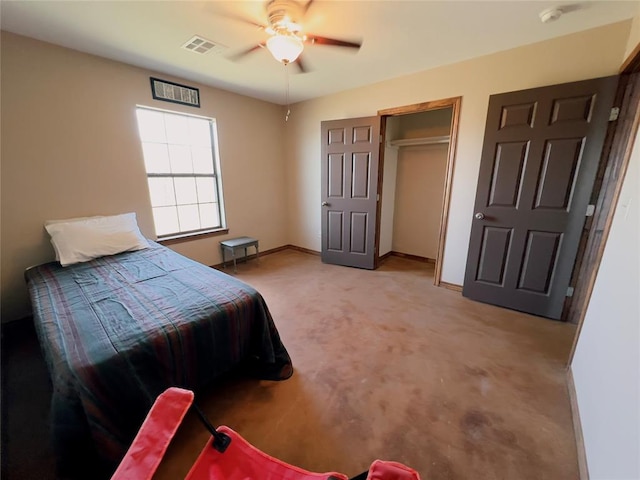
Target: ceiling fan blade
(240, 55)
(305, 9)
(301, 65)
(238, 18)
(317, 40)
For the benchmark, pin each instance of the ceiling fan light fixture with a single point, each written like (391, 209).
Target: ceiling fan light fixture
(285, 48)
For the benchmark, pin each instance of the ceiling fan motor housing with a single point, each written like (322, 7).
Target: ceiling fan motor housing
(284, 15)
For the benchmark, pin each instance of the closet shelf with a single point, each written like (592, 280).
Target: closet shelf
(407, 142)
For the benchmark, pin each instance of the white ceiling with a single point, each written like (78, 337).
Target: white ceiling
(398, 37)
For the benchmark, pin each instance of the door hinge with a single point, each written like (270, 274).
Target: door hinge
(380, 138)
(570, 291)
(377, 197)
(590, 210)
(614, 114)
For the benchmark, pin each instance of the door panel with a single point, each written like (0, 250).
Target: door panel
(334, 234)
(539, 160)
(350, 157)
(558, 173)
(540, 255)
(358, 232)
(360, 175)
(336, 176)
(507, 172)
(493, 255)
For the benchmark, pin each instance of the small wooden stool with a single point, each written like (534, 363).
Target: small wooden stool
(234, 244)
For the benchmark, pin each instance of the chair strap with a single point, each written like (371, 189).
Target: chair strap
(220, 440)
(362, 476)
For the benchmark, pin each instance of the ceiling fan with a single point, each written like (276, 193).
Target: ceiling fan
(286, 36)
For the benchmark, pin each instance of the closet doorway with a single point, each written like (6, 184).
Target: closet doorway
(416, 168)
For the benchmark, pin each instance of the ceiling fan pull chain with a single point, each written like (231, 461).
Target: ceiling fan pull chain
(286, 70)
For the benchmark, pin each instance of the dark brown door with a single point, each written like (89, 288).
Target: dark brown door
(350, 157)
(539, 160)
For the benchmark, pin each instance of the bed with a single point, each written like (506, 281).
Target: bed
(118, 330)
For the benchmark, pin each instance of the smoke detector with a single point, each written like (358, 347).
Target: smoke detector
(550, 14)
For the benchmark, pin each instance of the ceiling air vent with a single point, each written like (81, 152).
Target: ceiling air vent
(201, 45)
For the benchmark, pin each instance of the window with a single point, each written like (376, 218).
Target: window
(180, 156)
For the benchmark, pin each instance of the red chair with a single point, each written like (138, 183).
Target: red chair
(226, 456)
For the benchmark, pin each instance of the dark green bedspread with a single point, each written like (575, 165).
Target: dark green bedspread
(119, 330)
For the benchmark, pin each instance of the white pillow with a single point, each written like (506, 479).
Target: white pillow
(68, 220)
(82, 239)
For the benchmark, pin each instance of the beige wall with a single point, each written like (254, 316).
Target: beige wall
(634, 34)
(432, 123)
(388, 187)
(419, 195)
(70, 148)
(606, 364)
(593, 53)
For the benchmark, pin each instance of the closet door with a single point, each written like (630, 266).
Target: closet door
(350, 158)
(539, 160)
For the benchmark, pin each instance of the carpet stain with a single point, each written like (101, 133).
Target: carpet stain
(474, 424)
(475, 371)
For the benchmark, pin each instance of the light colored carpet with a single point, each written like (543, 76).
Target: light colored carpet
(389, 366)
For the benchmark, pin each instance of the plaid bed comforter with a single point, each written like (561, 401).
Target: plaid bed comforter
(119, 330)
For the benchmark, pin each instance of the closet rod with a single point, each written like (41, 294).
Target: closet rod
(407, 142)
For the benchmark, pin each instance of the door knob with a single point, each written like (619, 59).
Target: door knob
(479, 216)
(325, 204)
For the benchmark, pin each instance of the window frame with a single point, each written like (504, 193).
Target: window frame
(216, 175)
